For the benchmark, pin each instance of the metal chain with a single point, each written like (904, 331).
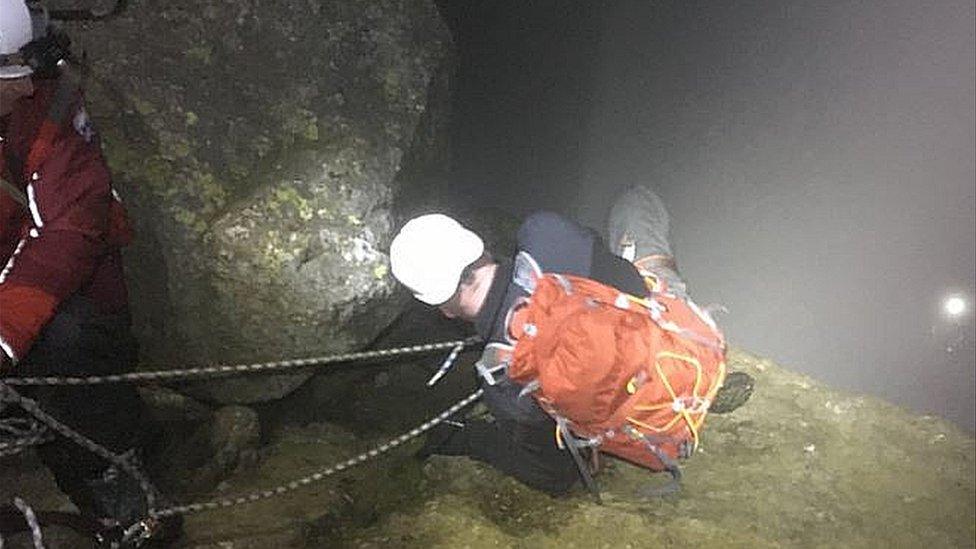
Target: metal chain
(319, 475)
(214, 371)
(9, 394)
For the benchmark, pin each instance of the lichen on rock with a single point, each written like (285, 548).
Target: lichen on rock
(258, 146)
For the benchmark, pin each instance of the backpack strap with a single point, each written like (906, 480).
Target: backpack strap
(58, 111)
(527, 272)
(565, 439)
(494, 362)
(15, 193)
(8, 160)
(43, 141)
(670, 465)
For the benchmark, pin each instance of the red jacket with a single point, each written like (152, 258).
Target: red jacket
(69, 238)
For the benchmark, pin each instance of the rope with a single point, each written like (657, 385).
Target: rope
(321, 474)
(448, 362)
(31, 519)
(215, 371)
(676, 403)
(9, 394)
(18, 434)
(19, 427)
(17, 446)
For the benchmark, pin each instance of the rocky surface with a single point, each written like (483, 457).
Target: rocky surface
(800, 465)
(259, 145)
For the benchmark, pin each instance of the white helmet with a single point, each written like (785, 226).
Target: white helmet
(429, 254)
(16, 30)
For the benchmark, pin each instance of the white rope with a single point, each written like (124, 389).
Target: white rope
(31, 519)
(238, 369)
(18, 434)
(323, 473)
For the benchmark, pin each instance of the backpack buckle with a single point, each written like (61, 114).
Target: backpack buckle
(488, 373)
(691, 404)
(496, 356)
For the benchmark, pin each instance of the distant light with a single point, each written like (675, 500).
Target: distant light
(954, 306)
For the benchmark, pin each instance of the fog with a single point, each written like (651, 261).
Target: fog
(818, 161)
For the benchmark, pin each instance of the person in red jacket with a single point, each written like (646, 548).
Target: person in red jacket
(63, 301)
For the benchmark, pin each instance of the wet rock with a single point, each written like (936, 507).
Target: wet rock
(167, 406)
(318, 514)
(258, 145)
(235, 437)
(227, 441)
(21, 476)
(799, 465)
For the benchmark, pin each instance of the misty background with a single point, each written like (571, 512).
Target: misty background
(817, 160)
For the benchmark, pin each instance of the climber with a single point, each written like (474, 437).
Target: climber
(63, 301)
(446, 265)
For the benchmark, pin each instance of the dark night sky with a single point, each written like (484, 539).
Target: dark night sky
(818, 160)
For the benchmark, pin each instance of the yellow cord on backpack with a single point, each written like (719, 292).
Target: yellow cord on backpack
(683, 412)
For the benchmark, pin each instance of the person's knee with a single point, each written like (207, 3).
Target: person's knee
(639, 217)
(58, 342)
(78, 341)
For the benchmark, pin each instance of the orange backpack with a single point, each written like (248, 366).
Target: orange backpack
(631, 375)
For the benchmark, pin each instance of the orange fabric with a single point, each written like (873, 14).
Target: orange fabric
(23, 311)
(599, 356)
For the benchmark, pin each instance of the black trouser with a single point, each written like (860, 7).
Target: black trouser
(525, 451)
(80, 342)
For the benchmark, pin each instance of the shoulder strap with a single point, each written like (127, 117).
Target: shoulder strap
(526, 272)
(41, 144)
(14, 192)
(10, 163)
(57, 114)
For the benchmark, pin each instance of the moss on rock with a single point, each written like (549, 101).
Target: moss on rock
(258, 147)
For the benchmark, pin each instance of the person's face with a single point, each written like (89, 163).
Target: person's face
(464, 304)
(12, 89)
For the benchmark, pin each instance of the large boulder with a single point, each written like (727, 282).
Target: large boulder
(258, 145)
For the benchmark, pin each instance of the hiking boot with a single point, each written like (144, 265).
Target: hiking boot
(734, 393)
(166, 532)
(155, 534)
(116, 496)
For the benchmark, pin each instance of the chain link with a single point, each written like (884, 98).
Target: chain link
(319, 475)
(216, 371)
